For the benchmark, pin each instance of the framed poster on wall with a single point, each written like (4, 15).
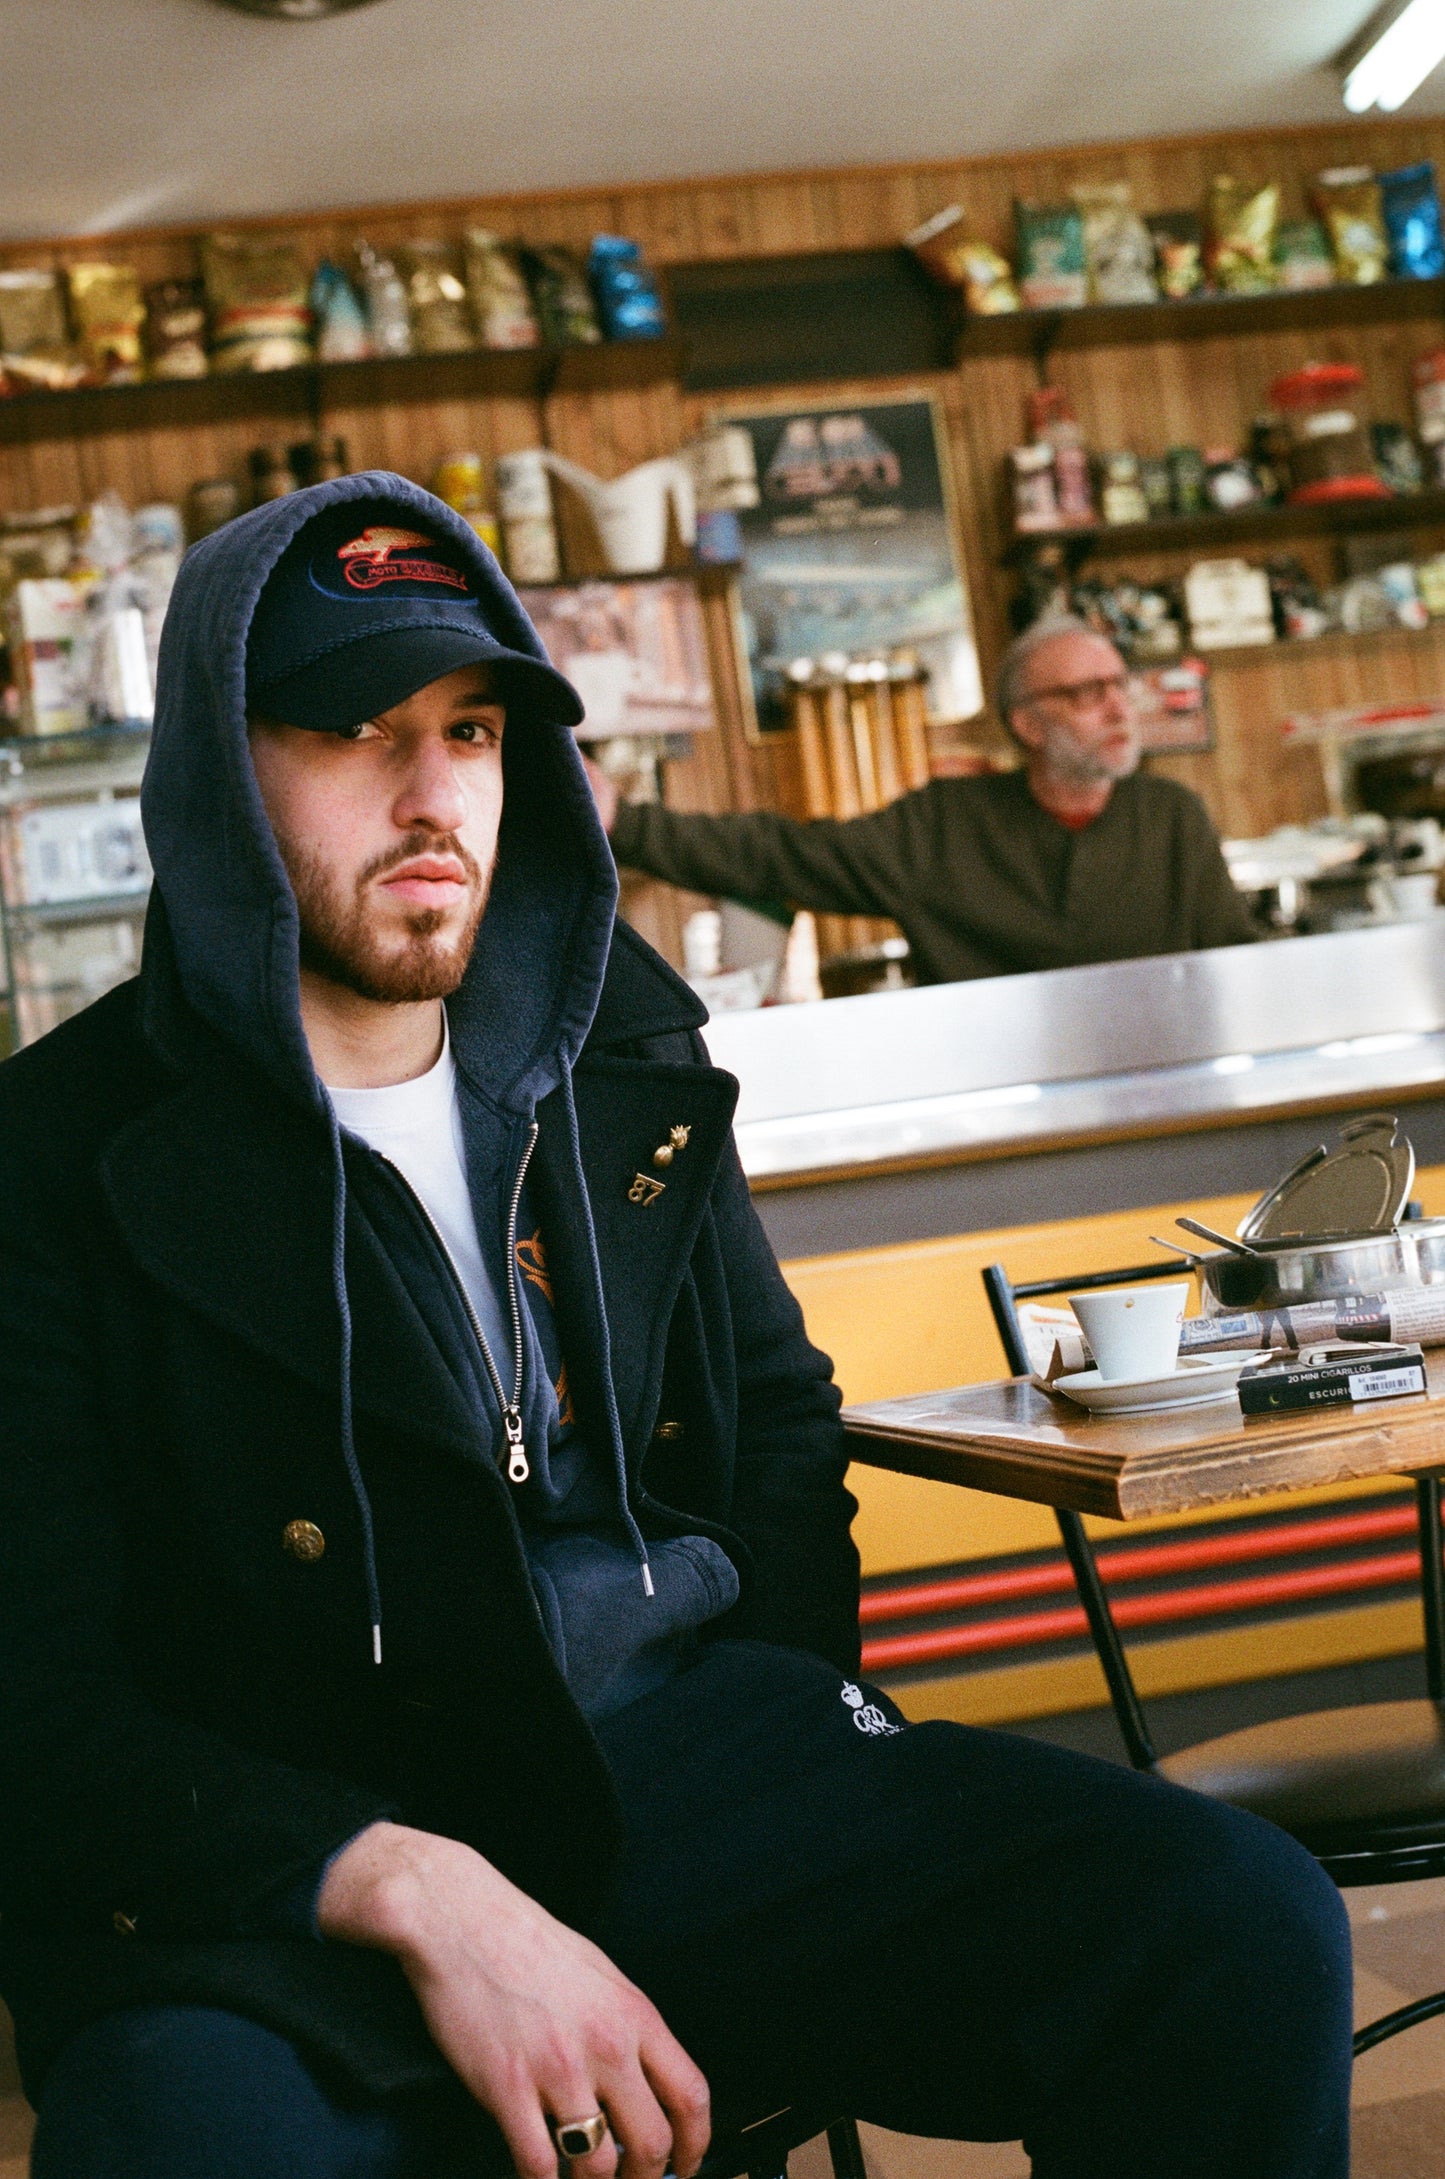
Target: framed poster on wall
(853, 548)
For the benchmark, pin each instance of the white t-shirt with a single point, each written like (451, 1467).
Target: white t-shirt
(418, 1126)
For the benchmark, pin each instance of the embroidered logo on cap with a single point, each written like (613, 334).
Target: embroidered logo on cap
(371, 560)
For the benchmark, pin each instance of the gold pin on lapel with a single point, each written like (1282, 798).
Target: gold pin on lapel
(644, 1188)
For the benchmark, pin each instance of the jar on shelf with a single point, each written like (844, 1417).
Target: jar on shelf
(1036, 501)
(1327, 430)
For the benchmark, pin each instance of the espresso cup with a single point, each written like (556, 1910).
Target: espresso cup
(1133, 1330)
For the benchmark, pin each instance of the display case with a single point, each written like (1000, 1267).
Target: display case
(74, 877)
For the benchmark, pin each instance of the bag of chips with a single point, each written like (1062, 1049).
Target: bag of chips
(1178, 239)
(501, 306)
(1117, 244)
(342, 334)
(108, 310)
(1241, 223)
(35, 346)
(256, 288)
(386, 311)
(948, 255)
(1350, 202)
(1302, 255)
(565, 309)
(436, 297)
(1411, 206)
(628, 301)
(1053, 267)
(175, 329)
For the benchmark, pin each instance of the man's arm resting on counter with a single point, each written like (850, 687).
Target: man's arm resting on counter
(840, 867)
(1221, 916)
(537, 2023)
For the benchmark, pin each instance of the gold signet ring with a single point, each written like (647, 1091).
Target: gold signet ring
(576, 2137)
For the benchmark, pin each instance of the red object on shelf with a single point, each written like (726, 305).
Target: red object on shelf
(1332, 488)
(1317, 385)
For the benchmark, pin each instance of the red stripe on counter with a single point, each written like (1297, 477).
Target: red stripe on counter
(1210, 1600)
(1139, 1562)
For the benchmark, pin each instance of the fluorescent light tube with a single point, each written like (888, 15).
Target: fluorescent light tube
(1399, 60)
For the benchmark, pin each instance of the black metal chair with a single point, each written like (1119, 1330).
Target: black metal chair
(1362, 1788)
(761, 2151)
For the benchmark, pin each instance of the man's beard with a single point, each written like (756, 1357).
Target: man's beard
(418, 960)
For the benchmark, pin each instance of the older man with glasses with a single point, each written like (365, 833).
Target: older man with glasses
(1074, 857)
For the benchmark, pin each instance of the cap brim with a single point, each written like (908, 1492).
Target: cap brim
(371, 674)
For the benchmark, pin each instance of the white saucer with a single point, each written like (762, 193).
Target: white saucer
(1191, 1383)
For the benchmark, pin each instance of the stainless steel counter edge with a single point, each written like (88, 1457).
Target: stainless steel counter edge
(1020, 1062)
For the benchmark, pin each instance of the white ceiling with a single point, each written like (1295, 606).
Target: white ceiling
(117, 113)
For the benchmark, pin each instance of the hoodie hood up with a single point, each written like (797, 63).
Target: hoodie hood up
(527, 999)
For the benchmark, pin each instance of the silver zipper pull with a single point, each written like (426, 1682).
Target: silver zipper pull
(518, 1466)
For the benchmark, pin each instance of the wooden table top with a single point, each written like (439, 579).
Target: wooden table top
(1013, 1439)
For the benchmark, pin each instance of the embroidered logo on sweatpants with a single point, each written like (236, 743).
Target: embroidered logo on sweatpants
(866, 1715)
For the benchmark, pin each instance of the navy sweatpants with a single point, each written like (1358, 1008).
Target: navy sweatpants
(946, 1931)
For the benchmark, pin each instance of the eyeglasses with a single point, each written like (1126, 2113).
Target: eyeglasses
(1082, 695)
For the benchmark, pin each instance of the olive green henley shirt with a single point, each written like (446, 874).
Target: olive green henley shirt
(980, 878)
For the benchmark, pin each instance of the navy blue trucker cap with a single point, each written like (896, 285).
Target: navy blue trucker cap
(364, 608)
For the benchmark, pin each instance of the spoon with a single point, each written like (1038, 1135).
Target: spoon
(1220, 1240)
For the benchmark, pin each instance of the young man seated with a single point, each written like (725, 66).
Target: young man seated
(428, 1617)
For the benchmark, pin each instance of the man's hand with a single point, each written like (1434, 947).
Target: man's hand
(536, 2021)
(604, 792)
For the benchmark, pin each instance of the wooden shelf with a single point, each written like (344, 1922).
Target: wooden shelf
(1204, 317)
(314, 389)
(1245, 525)
(1339, 643)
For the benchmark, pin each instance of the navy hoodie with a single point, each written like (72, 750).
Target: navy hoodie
(620, 1613)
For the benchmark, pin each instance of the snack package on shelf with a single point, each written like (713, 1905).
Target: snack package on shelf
(35, 348)
(1302, 255)
(387, 314)
(436, 297)
(1240, 225)
(1299, 611)
(1178, 239)
(108, 311)
(339, 316)
(628, 299)
(565, 309)
(1397, 458)
(1117, 244)
(1410, 203)
(1035, 498)
(48, 637)
(1428, 375)
(1188, 480)
(497, 289)
(175, 329)
(949, 255)
(257, 292)
(1053, 268)
(460, 481)
(1351, 204)
(1121, 495)
(1228, 603)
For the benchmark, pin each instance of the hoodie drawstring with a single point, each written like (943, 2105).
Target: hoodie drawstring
(609, 1394)
(348, 1436)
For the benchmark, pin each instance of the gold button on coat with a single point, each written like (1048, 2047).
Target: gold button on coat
(667, 1433)
(123, 1924)
(304, 1541)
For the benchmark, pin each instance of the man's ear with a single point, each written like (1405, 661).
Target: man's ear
(1026, 731)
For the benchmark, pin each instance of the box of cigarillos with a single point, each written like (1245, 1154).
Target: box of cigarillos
(1331, 1376)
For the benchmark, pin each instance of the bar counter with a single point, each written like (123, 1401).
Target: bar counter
(913, 1114)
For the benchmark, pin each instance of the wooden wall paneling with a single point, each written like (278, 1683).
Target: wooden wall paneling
(1150, 397)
